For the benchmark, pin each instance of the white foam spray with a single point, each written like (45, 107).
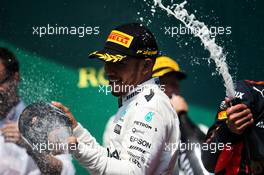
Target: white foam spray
(199, 29)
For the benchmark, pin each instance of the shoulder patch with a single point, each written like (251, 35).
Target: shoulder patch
(117, 129)
(149, 116)
(150, 95)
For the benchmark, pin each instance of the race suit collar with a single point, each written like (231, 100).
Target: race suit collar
(137, 90)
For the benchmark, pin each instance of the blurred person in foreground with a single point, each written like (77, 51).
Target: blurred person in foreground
(15, 159)
(239, 126)
(145, 121)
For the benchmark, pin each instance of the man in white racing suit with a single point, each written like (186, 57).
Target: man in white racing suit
(145, 136)
(171, 76)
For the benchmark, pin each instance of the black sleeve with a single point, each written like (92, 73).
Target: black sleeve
(256, 103)
(189, 130)
(190, 133)
(244, 93)
(217, 134)
(249, 93)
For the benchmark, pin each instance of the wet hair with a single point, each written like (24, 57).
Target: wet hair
(9, 61)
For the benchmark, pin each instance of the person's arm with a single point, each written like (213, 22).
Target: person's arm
(61, 162)
(230, 123)
(47, 164)
(217, 134)
(99, 160)
(189, 130)
(226, 131)
(67, 165)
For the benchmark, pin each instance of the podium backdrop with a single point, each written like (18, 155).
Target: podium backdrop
(55, 65)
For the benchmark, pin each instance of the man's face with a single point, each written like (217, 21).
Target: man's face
(125, 75)
(8, 87)
(171, 84)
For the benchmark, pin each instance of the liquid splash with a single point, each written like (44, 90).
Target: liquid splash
(200, 30)
(45, 127)
(39, 85)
